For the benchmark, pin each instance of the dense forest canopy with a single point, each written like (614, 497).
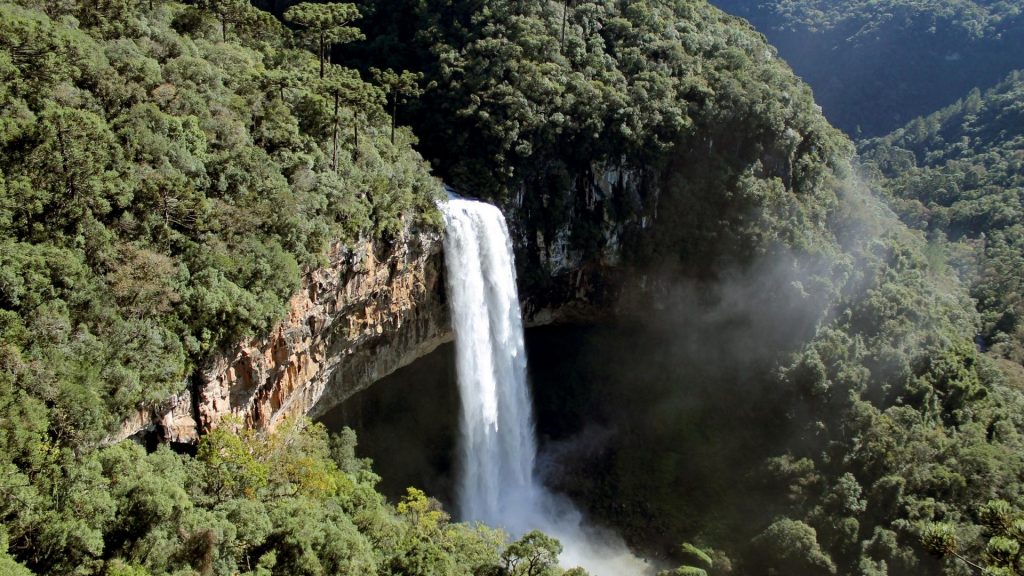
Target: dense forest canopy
(875, 65)
(145, 164)
(958, 174)
(168, 172)
(974, 19)
(530, 101)
(875, 391)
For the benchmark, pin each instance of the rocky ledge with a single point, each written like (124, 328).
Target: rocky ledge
(365, 314)
(374, 309)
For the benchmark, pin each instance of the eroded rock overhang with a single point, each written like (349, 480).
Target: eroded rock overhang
(378, 307)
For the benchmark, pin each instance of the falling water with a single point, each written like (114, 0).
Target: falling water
(497, 427)
(496, 477)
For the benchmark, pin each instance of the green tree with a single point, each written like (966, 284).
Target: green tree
(343, 86)
(941, 540)
(534, 554)
(142, 170)
(791, 547)
(694, 553)
(399, 87)
(9, 565)
(76, 171)
(233, 464)
(279, 80)
(230, 13)
(327, 25)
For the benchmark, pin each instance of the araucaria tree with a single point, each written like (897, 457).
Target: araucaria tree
(326, 25)
(398, 86)
(343, 86)
(229, 12)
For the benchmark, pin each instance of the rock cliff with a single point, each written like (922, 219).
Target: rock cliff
(374, 309)
(366, 313)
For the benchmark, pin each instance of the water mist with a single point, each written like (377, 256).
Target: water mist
(496, 480)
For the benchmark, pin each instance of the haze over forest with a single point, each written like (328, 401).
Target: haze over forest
(770, 257)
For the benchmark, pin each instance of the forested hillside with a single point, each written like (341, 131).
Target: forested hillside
(529, 102)
(168, 172)
(958, 174)
(869, 417)
(876, 65)
(162, 190)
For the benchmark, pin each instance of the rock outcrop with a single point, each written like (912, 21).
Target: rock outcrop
(365, 314)
(371, 310)
(571, 258)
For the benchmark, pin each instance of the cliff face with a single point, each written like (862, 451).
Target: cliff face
(375, 309)
(572, 244)
(367, 313)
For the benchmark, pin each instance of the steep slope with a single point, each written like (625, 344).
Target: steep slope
(673, 117)
(876, 65)
(846, 404)
(164, 185)
(171, 173)
(162, 192)
(958, 175)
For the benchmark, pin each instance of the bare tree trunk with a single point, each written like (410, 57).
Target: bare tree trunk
(334, 156)
(394, 113)
(321, 55)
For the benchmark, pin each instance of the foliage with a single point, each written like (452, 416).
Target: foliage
(875, 64)
(399, 87)
(146, 151)
(693, 553)
(1002, 529)
(236, 13)
(816, 454)
(535, 554)
(874, 411)
(326, 24)
(975, 19)
(792, 548)
(662, 112)
(166, 178)
(163, 191)
(680, 129)
(249, 503)
(957, 174)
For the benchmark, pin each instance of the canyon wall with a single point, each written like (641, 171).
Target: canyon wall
(366, 313)
(376, 308)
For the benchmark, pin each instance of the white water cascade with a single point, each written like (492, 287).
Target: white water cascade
(496, 425)
(496, 482)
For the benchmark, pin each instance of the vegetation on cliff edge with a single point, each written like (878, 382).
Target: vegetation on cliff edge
(168, 171)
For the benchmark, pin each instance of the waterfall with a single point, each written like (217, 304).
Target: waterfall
(497, 450)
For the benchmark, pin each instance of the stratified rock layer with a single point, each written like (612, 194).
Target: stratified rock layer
(358, 319)
(362, 316)
(369, 311)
